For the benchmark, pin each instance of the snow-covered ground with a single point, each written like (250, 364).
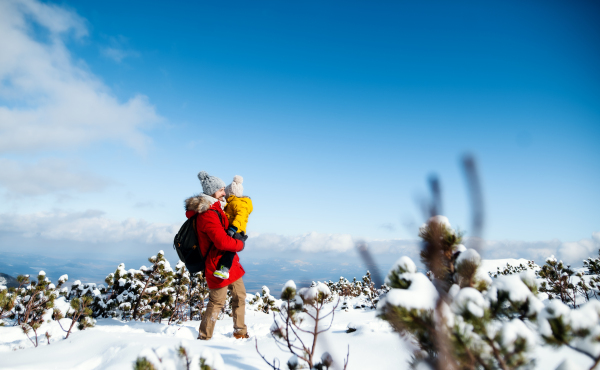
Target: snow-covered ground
(116, 344)
(113, 344)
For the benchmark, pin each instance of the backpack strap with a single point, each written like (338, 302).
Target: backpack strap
(218, 214)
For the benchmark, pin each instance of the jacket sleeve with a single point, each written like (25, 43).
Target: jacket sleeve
(211, 225)
(240, 214)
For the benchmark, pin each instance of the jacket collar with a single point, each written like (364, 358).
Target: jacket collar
(201, 203)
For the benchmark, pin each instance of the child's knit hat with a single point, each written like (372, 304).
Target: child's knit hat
(210, 184)
(235, 187)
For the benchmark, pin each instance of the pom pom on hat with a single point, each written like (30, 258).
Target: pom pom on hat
(203, 175)
(235, 188)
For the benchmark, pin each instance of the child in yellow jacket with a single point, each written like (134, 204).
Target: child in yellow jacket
(238, 209)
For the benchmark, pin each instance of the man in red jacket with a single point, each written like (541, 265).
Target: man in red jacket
(211, 224)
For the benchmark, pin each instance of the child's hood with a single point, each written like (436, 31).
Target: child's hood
(240, 200)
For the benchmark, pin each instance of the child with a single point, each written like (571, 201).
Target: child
(238, 209)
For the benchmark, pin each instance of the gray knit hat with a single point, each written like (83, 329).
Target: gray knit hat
(210, 184)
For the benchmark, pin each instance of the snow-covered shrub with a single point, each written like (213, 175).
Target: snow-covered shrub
(365, 291)
(512, 269)
(97, 303)
(80, 313)
(198, 293)
(156, 297)
(592, 264)
(263, 301)
(210, 360)
(558, 281)
(33, 299)
(168, 358)
(439, 249)
(345, 288)
(122, 290)
(578, 329)
(462, 318)
(180, 286)
(8, 300)
(141, 294)
(306, 306)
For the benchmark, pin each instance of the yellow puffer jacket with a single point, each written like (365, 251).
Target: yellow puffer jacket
(237, 211)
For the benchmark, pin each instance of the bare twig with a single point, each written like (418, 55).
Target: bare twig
(476, 195)
(364, 253)
(273, 365)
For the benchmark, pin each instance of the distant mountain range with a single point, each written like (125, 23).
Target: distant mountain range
(8, 281)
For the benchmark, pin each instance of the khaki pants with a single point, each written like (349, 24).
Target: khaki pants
(216, 300)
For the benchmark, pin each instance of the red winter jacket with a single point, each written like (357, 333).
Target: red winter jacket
(211, 229)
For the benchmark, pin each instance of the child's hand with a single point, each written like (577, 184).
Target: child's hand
(231, 231)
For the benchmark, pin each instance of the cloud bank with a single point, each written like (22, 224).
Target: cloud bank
(93, 226)
(90, 227)
(45, 177)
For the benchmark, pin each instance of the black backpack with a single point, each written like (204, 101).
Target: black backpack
(186, 245)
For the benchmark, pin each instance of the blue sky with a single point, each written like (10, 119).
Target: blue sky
(335, 114)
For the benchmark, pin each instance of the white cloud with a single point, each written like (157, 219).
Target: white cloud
(576, 252)
(89, 226)
(93, 226)
(310, 242)
(50, 101)
(537, 251)
(118, 54)
(46, 176)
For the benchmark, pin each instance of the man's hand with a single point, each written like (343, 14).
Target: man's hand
(241, 237)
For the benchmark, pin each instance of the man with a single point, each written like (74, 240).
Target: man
(213, 240)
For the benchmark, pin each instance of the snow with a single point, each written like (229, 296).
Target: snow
(469, 255)
(312, 293)
(513, 330)
(266, 290)
(514, 286)
(405, 264)
(420, 295)
(289, 284)
(293, 361)
(115, 344)
(469, 300)
(442, 220)
(461, 248)
(42, 273)
(569, 365)
(212, 359)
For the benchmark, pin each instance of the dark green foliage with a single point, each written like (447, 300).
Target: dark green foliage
(7, 303)
(439, 244)
(142, 363)
(198, 293)
(591, 288)
(182, 352)
(265, 302)
(559, 283)
(33, 301)
(510, 269)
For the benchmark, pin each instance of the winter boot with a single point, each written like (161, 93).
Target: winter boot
(237, 335)
(222, 273)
